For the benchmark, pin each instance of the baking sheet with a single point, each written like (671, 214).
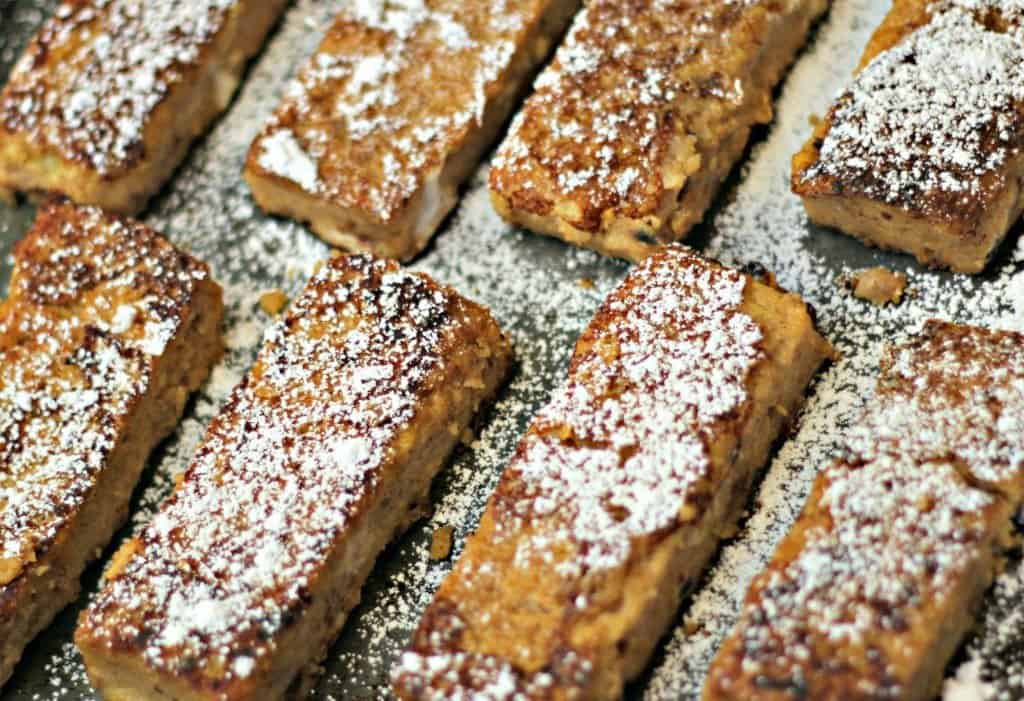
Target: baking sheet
(543, 293)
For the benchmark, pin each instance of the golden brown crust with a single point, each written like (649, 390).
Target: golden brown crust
(621, 488)
(320, 456)
(878, 581)
(975, 398)
(644, 111)
(108, 97)
(899, 165)
(106, 331)
(393, 112)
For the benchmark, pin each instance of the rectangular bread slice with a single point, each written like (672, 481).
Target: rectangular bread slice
(320, 457)
(107, 330)
(110, 94)
(644, 111)
(923, 153)
(621, 489)
(392, 114)
(873, 589)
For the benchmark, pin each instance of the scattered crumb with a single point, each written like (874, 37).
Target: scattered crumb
(586, 283)
(120, 559)
(730, 531)
(878, 285)
(532, 286)
(814, 120)
(273, 301)
(441, 543)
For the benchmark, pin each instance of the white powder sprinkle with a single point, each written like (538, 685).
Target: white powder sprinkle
(967, 684)
(615, 457)
(283, 156)
(66, 395)
(90, 112)
(904, 518)
(231, 556)
(635, 95)
(394, 89)
(531, 284)
(933, 119)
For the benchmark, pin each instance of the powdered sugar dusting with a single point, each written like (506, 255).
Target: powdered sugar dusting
(941, 111)
(280, 154)
(532, 286)
(967, 684)
(615, 456)
(226, 563)
(995, 665)
(637, 94)
(94, 303)
(895, 527)
(766, 223)
(643, 393)
(392, 92)
(120, 58)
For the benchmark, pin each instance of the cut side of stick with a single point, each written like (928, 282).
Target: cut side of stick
(321, 456)
(621, 489)
(645, 109)
(393, 113)
(879, 580)
(110, 94)
(107, 331)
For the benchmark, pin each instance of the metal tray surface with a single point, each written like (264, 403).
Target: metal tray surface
(543, 293)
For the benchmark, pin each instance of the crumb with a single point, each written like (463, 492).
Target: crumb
(879, 286)
(120, 559)
(691, 626)
(586, 283)
(10, 568)
(757, 219)
(729, 531)
(273, 301)
(814, 119)
(441, 543)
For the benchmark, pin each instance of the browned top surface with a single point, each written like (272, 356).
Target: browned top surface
(616, 459)
(93, 303)
(931, 121)
(959, 390)
(855, 595)
(632, 79)
(92, 76)
(392, 92)
(290, 463)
